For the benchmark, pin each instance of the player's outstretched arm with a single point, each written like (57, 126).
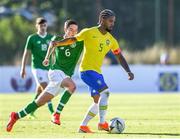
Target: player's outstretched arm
(26, 55)
(50, 50)
(64, 42)
(124, 64)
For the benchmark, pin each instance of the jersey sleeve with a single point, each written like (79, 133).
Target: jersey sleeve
(29, 43)
(54, 38)
(115, 47)
(81, 35)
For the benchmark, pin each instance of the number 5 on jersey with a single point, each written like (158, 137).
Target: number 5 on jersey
(100, 47)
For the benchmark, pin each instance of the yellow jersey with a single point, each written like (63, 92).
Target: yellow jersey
(96, 46)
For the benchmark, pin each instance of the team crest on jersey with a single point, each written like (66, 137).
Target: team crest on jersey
(48, 41)
(107, 42)
(73, 45)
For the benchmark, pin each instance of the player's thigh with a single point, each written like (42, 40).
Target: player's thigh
(94, 80)
(41, 77)
(55, 79)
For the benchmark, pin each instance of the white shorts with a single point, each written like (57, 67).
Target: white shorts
(40, 76)
(55, 79)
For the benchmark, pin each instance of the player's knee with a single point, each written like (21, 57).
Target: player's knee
(40, 103)
(96, 98)
(72, 88)
(39, 89)
(105, 93)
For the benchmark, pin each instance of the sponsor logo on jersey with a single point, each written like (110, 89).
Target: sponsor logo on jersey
(94, 37)
(38, 42)
(62, 48)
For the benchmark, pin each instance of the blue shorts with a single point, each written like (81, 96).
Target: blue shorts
(94, 80)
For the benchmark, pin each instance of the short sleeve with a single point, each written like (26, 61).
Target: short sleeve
(53, 38)
(29, 43)
(81, 35)
(115, 47)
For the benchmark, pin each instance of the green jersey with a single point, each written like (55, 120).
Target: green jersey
(38, 46)
(67, 57)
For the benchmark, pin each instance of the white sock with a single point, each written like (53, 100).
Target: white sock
(92, 112)
(103, 104)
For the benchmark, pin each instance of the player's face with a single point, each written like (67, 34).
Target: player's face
(109, 23)
(71, 30)
(42, 27)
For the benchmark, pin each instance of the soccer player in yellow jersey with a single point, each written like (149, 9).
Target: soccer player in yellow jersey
(97, 43)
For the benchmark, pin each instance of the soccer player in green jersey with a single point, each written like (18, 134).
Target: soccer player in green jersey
(98, 41)
(59, 74)
(36, 47)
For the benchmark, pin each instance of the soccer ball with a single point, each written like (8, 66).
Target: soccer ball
(116, 125)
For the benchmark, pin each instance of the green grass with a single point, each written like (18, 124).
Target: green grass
(145, 115)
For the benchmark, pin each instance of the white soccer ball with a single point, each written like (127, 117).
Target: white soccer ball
(116, 125)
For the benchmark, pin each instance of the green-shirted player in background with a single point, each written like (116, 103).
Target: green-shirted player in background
(36, 47)
(59, 74)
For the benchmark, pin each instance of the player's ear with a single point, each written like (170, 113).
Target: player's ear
(102, 20)
(36, 26)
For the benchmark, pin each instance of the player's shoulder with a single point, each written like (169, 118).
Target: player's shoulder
(57, 37)
(111, 36)
(89, 29)
(92, 29)
(32, 36)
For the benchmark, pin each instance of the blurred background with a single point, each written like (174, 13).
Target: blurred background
(147, 30)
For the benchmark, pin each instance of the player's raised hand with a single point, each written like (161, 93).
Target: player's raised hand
(131, 76)
(46, 62)
(23, 73)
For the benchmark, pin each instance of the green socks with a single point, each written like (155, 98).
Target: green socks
(28, 109)
(64, 99)
(50, 107)
(32, 113)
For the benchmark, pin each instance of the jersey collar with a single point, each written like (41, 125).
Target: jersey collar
(42, 36)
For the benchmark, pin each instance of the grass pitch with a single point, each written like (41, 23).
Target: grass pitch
(145, 115)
